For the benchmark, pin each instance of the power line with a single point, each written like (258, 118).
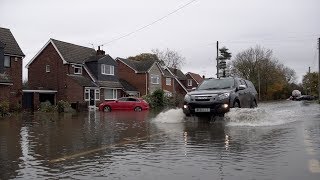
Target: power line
(271, 40)
(150, 24)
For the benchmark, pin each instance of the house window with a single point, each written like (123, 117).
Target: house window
(154, 79)
(7, 62)
(47, 68)
(97, 94)
(107, 69)
(87, 94)
(189, 82)
(77, 69)
(168, 81)
(110, 94)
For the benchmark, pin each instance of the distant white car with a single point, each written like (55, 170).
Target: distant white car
(296, 93)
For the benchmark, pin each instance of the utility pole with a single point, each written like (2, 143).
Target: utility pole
(217, 59)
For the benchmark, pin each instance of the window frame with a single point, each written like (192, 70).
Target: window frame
(47, 68)
(86, 92)
(114, 94)
(97, 94)
(154, 76)
(7, 59)
(104, 68)
(190, 82)
(77, 67)
(168, 81)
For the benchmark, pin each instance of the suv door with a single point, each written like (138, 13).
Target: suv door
(253, 93)
(243, 94)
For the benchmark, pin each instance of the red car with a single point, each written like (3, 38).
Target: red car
(124, 103)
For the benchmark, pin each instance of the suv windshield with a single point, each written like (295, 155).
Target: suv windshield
(217, 84)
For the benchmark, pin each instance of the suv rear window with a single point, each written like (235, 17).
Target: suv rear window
(217, 84)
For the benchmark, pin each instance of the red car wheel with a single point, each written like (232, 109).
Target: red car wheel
(107, 109)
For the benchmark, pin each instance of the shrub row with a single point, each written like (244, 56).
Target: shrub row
(158, 99)
(4, 108)
(62, 106)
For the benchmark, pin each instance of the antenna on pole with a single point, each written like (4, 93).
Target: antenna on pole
(217, 59)
(92, 45)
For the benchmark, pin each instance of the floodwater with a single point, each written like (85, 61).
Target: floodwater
(277, 140)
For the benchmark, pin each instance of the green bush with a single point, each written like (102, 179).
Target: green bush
(47, 107)
(15, 108)
(4, 108)
(156, 99)
(176, 100)
(64, 106)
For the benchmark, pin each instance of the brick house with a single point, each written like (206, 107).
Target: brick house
(145, 76)
(10, 69)
(193, 80)
(171, 85)
(181, 78)
(73, 73)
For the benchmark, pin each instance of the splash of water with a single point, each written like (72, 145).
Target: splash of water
(259, 117)
(170, 116)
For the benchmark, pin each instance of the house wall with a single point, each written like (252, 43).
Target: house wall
(154, 70)
(1, 59)
(74, 93)
(38, 78)
(57, 78)
(137, 80)
(15, 73)
(4, 93)
(179, 89)
(168, 87)
(194, 83)
(185, 83)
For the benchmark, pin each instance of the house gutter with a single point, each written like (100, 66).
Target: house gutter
(8, 84)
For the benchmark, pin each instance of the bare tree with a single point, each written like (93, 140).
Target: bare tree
(269, 76)
(169, 58)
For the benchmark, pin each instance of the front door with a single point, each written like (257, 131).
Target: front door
(92, 101)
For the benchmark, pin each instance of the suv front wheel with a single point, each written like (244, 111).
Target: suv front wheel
(236, 104)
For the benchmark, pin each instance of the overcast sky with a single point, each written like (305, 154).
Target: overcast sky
(289, 27)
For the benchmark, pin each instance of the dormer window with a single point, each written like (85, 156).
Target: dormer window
(189, 82)
(77, 69)
(107, 69)
(7, 62)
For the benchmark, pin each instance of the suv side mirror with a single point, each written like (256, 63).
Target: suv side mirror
(242, 87)
(194, 88)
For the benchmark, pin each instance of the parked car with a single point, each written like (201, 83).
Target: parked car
(124, 103)
(305, 98)
(215, 97)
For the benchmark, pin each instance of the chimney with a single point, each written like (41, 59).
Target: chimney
(175, 70)
(100, 52)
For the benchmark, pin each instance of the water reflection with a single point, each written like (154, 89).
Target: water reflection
(147, 145)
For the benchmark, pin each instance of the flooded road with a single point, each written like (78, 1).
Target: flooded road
(278, 140)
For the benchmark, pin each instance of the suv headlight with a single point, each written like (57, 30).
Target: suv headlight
(224, 96)
(187, 98)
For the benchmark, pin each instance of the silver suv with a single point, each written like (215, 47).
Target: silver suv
(215, 97)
